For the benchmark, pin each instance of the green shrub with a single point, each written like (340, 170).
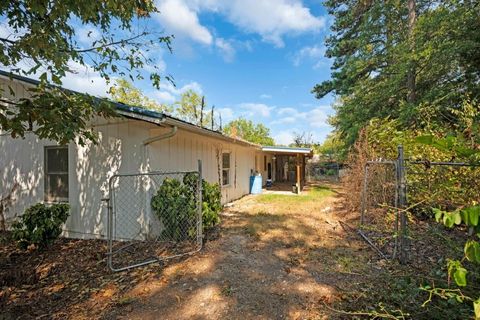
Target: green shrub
(212, 205)
(175, 206)
(40, 224)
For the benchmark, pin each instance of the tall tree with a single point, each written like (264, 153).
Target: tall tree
(44, 40)
(412, 60)
(191, 109)
(247, 130)
(125, 92)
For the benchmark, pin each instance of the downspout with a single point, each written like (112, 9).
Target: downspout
(161, 137)
(146, 142)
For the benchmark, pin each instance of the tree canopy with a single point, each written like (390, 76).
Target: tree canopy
(43, 41)
(247, 130)
(417, 61)
(125, 92)
(191, 108)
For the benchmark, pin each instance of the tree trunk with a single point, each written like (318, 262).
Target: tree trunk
(411, 81)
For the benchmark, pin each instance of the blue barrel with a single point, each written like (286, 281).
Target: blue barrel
(256, 184)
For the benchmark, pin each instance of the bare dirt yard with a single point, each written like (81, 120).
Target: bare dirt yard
(273, 257)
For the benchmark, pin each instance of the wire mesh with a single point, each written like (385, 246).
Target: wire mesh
(152, 217)
(445, 185)
(379, 220)
(322, 171)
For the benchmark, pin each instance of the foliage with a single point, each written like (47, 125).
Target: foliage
(457, 270)
(333, 148)
(40, 224)
(191, 108)
(125, 92)
(247, 130)
(211, 204)
(386, 64)
(303, 140)
(175, 204)
(44, 40)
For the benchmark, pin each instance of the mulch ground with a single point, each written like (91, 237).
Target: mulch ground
(283, 259)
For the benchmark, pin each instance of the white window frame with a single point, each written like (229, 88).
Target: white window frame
(46, 190)
(227, 169)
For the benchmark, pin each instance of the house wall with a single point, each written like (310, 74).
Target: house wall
(262, 161)
(119, 149)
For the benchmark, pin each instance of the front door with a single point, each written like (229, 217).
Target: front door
(269, 171)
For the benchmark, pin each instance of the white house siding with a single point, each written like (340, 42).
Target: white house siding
(185, 149)
(119, 149)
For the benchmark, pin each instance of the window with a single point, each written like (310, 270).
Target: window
(264, 163)
(225, 169)
(56, 173)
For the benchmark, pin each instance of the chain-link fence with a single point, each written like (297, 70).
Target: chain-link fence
(152, 217)
(389, 185)
(383, 220)
(320, 171)
(379, 214)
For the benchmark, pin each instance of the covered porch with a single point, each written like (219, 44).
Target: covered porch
(286, 169)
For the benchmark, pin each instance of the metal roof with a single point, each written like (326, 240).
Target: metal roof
(282, 149)
(147, 115)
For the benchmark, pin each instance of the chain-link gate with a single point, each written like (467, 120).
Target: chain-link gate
(153, 216)
(383, 222)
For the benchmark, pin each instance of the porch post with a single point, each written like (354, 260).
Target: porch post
(299, 174)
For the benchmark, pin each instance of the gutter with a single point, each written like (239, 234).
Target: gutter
(162, 136)
(205, 132)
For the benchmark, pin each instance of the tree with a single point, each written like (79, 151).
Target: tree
(302, 140)
(416, 61)
(44, 41)
(191, 108)
(247, 130)
(125, 92)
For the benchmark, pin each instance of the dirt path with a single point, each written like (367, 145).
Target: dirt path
(276, 257)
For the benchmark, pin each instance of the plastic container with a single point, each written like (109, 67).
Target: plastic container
(256, 184)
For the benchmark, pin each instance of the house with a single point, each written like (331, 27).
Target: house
(35, 170)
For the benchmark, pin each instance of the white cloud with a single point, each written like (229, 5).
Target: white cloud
(284, 138)
(252, 110)
(87, 35)
(290, 111)
(181, 20)
(309, 53)
(265, 96)
(86, 80)
(164, 97)
(226, 49)
(273, 19)
(285, 120)
(227, 114)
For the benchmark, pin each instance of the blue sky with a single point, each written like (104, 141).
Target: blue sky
(258, 59)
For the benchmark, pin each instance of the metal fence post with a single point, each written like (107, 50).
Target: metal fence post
(364, 195)
(402, 204)
(200, 205)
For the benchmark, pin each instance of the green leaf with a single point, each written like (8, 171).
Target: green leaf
(460, 276)
(425, 139)
(476, 308)
(438, 214)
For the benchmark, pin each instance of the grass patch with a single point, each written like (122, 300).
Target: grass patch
(314, 194)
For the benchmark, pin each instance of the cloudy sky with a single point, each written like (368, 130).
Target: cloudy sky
(258, 59)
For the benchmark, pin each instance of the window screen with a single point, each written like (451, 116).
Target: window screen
(56, 173)
(225, 169)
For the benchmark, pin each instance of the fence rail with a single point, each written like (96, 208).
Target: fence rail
(388, 183)
(153, 217)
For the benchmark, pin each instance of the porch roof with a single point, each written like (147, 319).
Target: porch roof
(287, 150)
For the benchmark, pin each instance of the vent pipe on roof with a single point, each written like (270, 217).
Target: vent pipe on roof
(161, 137)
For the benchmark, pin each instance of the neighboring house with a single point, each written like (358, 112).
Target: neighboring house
(137, 141)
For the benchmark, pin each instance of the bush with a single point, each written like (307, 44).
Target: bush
(40, 224)
(175, 205)
(212, 205)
